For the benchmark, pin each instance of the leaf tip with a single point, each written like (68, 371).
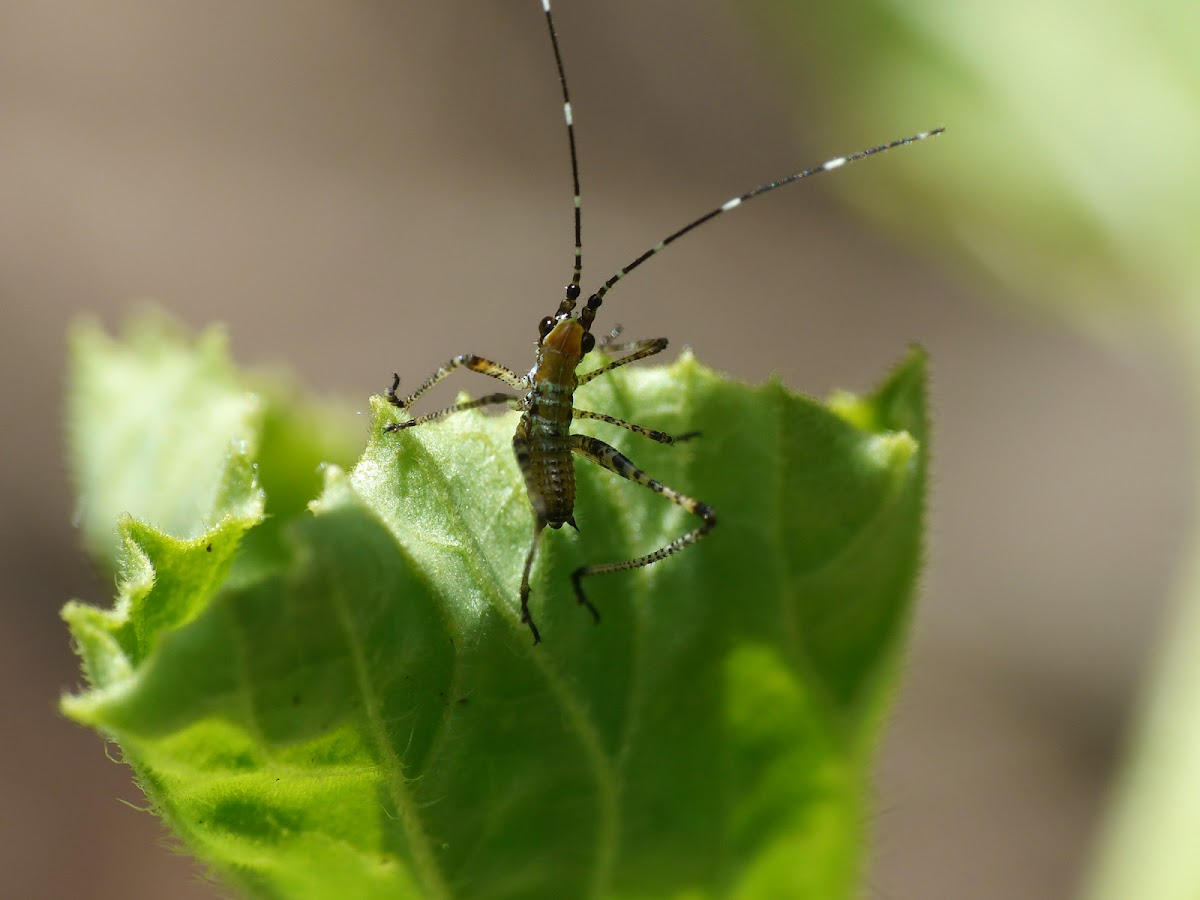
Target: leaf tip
(892, 450)
(335, 485)
(897, 404)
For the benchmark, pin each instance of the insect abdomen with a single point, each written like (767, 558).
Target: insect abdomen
(543, 448)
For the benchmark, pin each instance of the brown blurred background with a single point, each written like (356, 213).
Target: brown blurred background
(360, 187)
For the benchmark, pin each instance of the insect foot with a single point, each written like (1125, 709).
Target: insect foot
(390, 394)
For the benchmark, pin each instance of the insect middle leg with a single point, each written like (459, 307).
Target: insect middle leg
(602, 454)
(660, 436)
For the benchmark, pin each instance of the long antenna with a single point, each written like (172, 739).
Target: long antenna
(562, 80)
(738, 201)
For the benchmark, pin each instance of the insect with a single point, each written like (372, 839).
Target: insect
(544, 445)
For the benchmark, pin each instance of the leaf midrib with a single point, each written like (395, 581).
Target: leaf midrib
(418, 840)
(604, 771)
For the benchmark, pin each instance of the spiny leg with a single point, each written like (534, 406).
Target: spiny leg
(661, 436)
(489, 400)
(472, 362)
(602, 454)
(538, 527)
(640, 350)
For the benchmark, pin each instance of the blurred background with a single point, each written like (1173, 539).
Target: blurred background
(363, 187)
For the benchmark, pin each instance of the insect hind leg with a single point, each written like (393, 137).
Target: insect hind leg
(602, 454)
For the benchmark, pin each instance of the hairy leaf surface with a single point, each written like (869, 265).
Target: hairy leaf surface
(342, 701)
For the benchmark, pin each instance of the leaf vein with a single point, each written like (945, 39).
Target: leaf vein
(418, 840)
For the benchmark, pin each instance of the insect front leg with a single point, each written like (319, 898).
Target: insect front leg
(490, 400)
(470, 361)
(639, 350)
(602, 454)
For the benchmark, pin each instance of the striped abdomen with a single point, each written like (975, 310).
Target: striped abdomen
(543, 439)
(543, 447)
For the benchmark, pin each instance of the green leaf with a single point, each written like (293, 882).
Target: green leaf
(153, 429)
(361, 713)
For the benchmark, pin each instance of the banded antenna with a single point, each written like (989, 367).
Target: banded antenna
(734, 203)
(725, 207)
(570, 120)
(544, 445)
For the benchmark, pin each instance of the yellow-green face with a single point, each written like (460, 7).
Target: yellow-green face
(567, 340)
(560, 351)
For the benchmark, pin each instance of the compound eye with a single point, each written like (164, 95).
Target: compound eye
(588, 343)
(544, 326)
